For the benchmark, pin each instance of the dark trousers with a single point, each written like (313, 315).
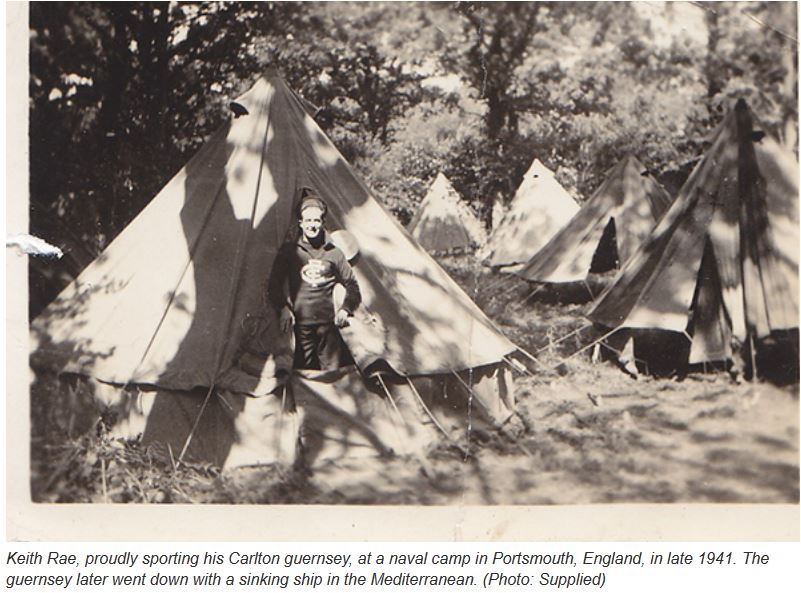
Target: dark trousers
(320, 347)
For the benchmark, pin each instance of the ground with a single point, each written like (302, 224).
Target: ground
(589, 434)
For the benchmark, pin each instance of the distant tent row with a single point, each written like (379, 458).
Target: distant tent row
(169, 321)
(721, 267)
(545, 236)
(718, 268)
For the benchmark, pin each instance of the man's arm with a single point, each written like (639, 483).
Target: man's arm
(353, 296)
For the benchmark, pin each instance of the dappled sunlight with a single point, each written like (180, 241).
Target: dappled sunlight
(245, 172)
(473, 370)
(594, 436)
(207, 339)
(657, 436)
(325, 153)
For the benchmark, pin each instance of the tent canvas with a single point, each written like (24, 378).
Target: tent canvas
(722, 264)
(175, 303)
(444, 223)
(341, 417)
(540, 208)
(608, 227)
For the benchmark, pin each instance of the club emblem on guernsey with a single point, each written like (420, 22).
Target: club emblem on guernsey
(317, 272)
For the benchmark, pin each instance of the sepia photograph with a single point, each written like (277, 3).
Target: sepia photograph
(412, 253)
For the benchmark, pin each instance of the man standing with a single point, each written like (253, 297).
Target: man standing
(301, 289)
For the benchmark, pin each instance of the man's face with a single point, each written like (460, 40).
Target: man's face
(311, 222)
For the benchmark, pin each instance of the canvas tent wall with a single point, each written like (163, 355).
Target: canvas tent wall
(607, 229)
(175, 303)
(540, 208)
(721, 267)
(444, 223)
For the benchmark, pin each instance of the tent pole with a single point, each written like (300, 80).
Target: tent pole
(582, 349)
(565, 337)
(427, 410)
(194, 426)
(753, 358)
(492, 421)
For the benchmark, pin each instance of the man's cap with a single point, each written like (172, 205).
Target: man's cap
(310, 199)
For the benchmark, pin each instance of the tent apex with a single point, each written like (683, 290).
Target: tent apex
(272, 72)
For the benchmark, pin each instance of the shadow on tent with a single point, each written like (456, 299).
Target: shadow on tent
(337, 415)
(226, 377)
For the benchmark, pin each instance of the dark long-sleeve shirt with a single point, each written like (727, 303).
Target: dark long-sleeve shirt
(311, 274)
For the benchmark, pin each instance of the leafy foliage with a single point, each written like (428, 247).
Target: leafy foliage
(122, 94)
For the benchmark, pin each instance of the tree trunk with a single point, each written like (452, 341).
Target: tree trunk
(713, 86)
(790, 85)
(112, 129)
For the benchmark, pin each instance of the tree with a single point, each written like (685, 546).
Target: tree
(753, 54)
(122, 94)
(569, 83)
(114, 84)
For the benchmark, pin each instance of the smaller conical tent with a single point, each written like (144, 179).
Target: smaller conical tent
(444, 223)
(607, 229)
(721, 267)
(540, 208)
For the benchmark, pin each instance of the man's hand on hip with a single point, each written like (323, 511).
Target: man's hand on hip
(341, 318)
(286, 319)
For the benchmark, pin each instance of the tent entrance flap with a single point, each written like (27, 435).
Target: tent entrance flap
(709, 326)
(606, 257)
(605, 231)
